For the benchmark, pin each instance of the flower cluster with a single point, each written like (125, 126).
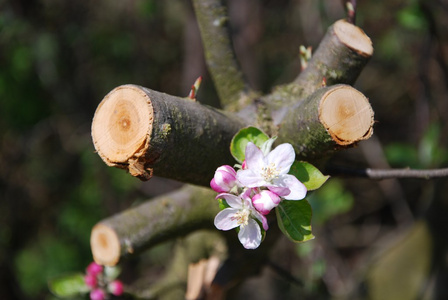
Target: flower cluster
(259, 185)
(101, 283)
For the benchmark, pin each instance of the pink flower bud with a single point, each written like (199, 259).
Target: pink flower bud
(90, 280)
(224, 179)
(94, 269)
(115, 287)
(244, 165)
(97, 294)
(265, 201)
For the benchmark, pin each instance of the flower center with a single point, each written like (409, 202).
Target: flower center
(269, 172)
(242, 217)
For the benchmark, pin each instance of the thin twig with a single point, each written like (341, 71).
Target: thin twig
(388, 173)
(219, 53)
(350, 7)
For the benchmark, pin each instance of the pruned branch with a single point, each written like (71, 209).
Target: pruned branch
(219, 53)
(332, 118)
(152, 222)
(193, 249)
(145, 132)
(380, 174)
(342, 54)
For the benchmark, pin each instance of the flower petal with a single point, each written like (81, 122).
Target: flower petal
(216, 187)
(254, 157)
(282, 157)
(297, 189)
(224, 179)
(250, 235)
(261, 218)
(250, 178)
(232, 200)
(225, 220)
(265, 201)
(280, 191)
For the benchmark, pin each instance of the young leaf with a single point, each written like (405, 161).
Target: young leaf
(294, 220)
(308, 174)
(222, 204)
(68, 286)
(240, 140)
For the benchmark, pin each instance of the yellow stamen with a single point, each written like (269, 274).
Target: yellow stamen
(242, 217)
(270, 172)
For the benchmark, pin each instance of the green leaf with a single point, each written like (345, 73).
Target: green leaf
(294, 220)
(68, 286)
(308, 174)
(223, 204)
(240, 140)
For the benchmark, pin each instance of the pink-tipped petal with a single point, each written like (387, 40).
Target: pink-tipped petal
(224, 179)
(280, 191)
(217, 188)
(94, 269)
(116, 288)
(261, 218)
(97, 294)
(297, 189)
(265, 201)
(90, 280)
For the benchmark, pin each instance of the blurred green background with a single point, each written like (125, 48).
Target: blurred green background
(58, 59)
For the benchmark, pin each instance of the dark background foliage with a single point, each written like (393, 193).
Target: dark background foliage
(59, 58)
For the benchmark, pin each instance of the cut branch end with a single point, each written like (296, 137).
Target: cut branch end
(353, 37)
(121, 129)
(346, 114)
(105, 245)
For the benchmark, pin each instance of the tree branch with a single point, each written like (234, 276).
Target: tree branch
(342, 54)
(144, 131)
(380, 174)
(332, 118)
(220, 57)
(160, 219)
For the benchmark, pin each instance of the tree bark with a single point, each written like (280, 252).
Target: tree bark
(152, 222)
(342, 54)
(219, 53)
(332, 118)
(144, 131)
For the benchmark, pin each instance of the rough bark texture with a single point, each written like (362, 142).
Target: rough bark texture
(152, 222)
(147, 132)
(340, 58)
(220, 57)
(331, 118)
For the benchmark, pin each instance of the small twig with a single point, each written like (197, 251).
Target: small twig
(219, 52)
(388, 173)
(350, 7)
(305, 56)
